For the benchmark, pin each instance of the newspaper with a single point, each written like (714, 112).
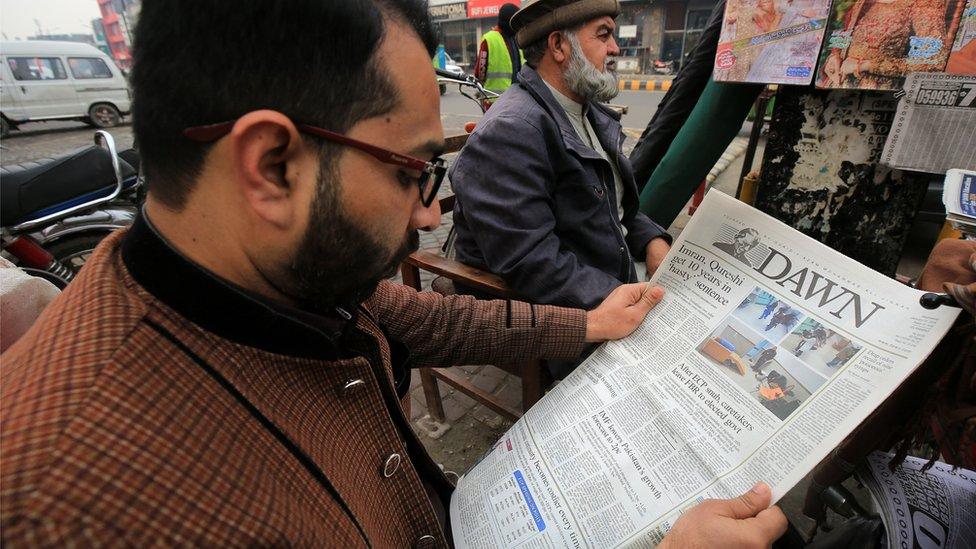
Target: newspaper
(959, 197)
(935, 126)
(767, 349)
(770, 41)
(933, 508)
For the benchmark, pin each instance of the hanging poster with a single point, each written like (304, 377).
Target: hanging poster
(962, 59)
(874, 44)
(770, 41)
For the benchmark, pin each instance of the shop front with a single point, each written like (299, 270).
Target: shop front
(647, 30)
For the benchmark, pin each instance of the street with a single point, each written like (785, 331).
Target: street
(48, 139)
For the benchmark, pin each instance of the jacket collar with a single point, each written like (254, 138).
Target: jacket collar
(225, 309)
(605, 122)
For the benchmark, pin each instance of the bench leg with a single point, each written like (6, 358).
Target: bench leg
(410, 275)
(432, 395)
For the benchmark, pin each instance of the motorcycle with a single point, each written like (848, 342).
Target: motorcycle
(54, 212)
(663, 67)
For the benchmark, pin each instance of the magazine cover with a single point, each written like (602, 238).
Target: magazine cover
(873, 44)
(770, 41)
(962, 60)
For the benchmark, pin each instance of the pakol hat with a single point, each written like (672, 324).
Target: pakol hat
(538, 18)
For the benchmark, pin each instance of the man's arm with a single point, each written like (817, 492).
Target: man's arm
(447, 330)
(647, 241)
(504, 191)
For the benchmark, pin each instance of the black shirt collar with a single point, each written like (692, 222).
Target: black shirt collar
(225, 309)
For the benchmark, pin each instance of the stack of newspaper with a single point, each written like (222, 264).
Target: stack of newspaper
(922, 506)
(767, 349)
(959, 197)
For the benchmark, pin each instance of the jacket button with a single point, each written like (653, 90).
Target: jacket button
(351, 386)
(426, 541)
(622, 249)
(391, 466)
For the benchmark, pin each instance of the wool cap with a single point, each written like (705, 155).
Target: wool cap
(538, 18)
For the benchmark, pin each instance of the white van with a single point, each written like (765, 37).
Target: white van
(41, 80)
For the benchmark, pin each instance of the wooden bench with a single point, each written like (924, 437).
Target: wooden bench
(534, 373)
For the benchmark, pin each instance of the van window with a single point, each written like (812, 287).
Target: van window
(37, 68)
(88, 67)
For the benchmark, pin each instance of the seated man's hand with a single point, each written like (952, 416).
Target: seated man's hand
(657, 248)
(746, 521)
(621, 312)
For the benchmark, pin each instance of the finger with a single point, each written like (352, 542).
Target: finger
(771, 523)
(750, 503)
(650, 296)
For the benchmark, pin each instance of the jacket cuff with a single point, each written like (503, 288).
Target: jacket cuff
(562, 331)
(641, 232)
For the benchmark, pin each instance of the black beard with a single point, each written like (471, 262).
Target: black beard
(338, 263)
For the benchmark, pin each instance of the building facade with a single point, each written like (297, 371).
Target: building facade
(118, 18)
(646, 29)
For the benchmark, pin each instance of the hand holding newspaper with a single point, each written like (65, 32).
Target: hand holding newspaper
(766, 351)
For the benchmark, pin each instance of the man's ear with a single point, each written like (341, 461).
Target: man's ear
(266, 149)
(558, 46)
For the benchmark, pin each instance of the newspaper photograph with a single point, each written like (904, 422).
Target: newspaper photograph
(770, 41)
(874, 44)
(933, 130)
(767, 349)
(962, 59)
(922, 506)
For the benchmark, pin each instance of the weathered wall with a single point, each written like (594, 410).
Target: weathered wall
(820, 174)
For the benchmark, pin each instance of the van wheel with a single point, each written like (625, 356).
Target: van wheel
(4, 127)
(104, 115)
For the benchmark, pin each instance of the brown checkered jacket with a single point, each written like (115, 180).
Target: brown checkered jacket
(114, 431)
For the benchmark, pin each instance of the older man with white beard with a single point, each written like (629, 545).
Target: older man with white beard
(545, 197)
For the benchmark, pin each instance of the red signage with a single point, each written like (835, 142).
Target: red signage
(488, 8)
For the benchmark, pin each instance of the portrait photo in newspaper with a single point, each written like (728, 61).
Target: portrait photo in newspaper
(874, 44)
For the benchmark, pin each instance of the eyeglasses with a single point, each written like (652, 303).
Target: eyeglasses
(436, 167)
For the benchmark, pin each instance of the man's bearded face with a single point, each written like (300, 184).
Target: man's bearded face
(586, 80)
(339, 262)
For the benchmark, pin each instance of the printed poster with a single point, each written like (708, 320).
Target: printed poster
(874, 44)
(962, 59)
(770, 41)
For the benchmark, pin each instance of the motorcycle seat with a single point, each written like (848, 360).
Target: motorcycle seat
(31, 188)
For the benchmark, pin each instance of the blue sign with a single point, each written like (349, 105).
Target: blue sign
(800, 72)
(967, 194)
(530, 501)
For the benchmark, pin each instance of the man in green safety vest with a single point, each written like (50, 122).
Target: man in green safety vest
(499, 57)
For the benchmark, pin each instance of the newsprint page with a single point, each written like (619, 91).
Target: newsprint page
(767, 349)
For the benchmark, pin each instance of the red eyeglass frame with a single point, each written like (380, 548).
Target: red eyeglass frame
(436, 166)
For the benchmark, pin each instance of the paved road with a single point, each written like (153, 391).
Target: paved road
(46, 139)
(457, 110)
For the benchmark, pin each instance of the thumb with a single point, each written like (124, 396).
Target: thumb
(750, 503)
(649, 297)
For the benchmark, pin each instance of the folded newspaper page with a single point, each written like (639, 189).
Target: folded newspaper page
(923, 508)
(766, 351)
(935, 126)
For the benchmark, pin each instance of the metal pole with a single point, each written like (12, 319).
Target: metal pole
(757, 124)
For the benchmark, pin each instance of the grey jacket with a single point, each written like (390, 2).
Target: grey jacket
(538, 207)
